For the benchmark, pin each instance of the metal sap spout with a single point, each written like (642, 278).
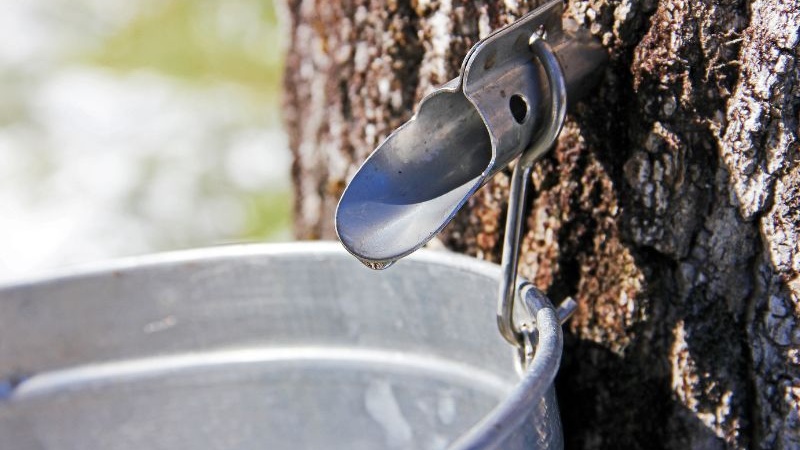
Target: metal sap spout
(416, 180)
(462, 134)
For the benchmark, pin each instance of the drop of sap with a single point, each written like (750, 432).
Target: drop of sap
(376, 265)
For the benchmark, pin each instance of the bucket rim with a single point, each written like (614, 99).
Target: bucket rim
(235, 251)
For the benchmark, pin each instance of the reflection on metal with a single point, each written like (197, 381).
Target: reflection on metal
(280, 347)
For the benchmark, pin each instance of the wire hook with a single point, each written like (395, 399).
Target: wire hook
(520, 182)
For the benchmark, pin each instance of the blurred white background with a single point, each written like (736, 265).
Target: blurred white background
(134, 126)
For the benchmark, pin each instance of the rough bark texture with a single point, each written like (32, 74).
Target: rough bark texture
(670, 209)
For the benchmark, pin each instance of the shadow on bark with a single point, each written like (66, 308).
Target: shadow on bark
(622, 407)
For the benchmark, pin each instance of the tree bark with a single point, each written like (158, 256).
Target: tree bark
(670, 209)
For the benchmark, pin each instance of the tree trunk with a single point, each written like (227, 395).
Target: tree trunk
(670, 209)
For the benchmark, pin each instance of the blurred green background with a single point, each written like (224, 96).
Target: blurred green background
(128, 127)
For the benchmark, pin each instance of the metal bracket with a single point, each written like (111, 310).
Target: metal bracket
(520, 181)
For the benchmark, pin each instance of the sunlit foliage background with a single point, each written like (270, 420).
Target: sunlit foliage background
(133, 126)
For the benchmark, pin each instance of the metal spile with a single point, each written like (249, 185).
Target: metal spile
(463, 133)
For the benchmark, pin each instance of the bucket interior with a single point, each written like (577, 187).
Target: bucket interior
(272, 347)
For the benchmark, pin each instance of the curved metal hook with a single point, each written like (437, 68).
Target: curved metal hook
(520, 181)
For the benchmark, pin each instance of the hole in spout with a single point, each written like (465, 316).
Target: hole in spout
(519, 107)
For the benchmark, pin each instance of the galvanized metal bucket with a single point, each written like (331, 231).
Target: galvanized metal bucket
(272, 347)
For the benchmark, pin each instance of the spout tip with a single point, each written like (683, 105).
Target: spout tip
(381, 225)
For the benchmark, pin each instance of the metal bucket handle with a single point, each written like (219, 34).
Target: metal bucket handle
(543, 346)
